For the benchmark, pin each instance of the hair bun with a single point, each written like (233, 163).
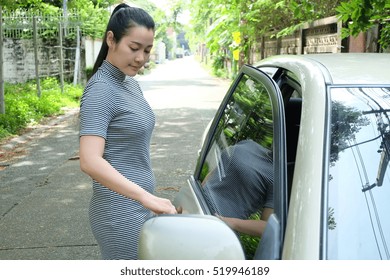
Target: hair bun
(119, 7)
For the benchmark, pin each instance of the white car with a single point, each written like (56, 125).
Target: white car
(325, 121)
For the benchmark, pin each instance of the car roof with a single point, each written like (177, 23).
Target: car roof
(338, 68)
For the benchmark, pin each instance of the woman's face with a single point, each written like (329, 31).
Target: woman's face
(132, 51)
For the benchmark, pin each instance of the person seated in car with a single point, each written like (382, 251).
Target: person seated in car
(241, 185)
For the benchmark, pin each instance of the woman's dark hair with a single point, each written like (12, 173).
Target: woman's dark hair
(122, 19)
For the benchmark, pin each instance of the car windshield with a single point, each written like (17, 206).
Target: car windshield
(359, 180)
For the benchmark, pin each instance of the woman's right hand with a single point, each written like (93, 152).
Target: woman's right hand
(159, 205)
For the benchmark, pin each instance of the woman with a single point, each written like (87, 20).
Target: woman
(116, 125)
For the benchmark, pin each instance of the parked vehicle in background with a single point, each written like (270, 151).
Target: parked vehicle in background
(325, 121)
(179, 52)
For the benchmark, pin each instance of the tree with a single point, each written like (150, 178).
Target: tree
(169, 20)
(12, 4)
(216, 21)
(28, 4)
(213, 24)
(303, 11)
(92, 26)
(361, 15)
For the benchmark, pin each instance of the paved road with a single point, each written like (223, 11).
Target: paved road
(43, 195)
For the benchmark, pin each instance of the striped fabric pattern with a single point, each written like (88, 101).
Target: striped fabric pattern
(113, 107)
(243, 182)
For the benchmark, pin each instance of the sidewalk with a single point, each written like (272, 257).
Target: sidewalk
(44, 197)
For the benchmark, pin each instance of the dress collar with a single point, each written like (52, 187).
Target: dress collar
(114, 71)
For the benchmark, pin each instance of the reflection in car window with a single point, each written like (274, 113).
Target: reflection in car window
(237, 175)
(359, 179)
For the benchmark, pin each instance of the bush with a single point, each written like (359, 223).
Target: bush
(3, 133)
(18, 114)
(23, 107)
(218, 66)
(88, 72)
(249, 244)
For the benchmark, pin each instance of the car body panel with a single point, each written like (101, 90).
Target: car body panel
(306, 201)
(350, 71)
(186, 200)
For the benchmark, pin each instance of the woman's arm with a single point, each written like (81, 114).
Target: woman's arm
(93, 164)
(251, 227)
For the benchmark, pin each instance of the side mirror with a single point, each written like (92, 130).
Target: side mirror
(188, 237)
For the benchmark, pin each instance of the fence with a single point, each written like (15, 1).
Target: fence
(321, 36)
(36, 45)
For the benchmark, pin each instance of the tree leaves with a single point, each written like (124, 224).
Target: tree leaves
(361, 15)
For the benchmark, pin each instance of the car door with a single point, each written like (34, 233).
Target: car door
(243, 149)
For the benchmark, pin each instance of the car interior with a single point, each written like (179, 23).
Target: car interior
(293, 116)
(291, 92)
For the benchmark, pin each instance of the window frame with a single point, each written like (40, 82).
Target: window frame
(279, 150)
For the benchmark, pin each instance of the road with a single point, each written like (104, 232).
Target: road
(44, 196)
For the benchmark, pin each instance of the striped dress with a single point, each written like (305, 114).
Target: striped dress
(113, 107)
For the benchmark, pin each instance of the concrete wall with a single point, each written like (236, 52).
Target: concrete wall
(19, 60)
(92, 48)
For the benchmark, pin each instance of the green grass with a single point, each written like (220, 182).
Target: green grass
(23, 107)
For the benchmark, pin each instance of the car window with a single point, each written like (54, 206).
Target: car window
(237, 174)
(358, 226)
